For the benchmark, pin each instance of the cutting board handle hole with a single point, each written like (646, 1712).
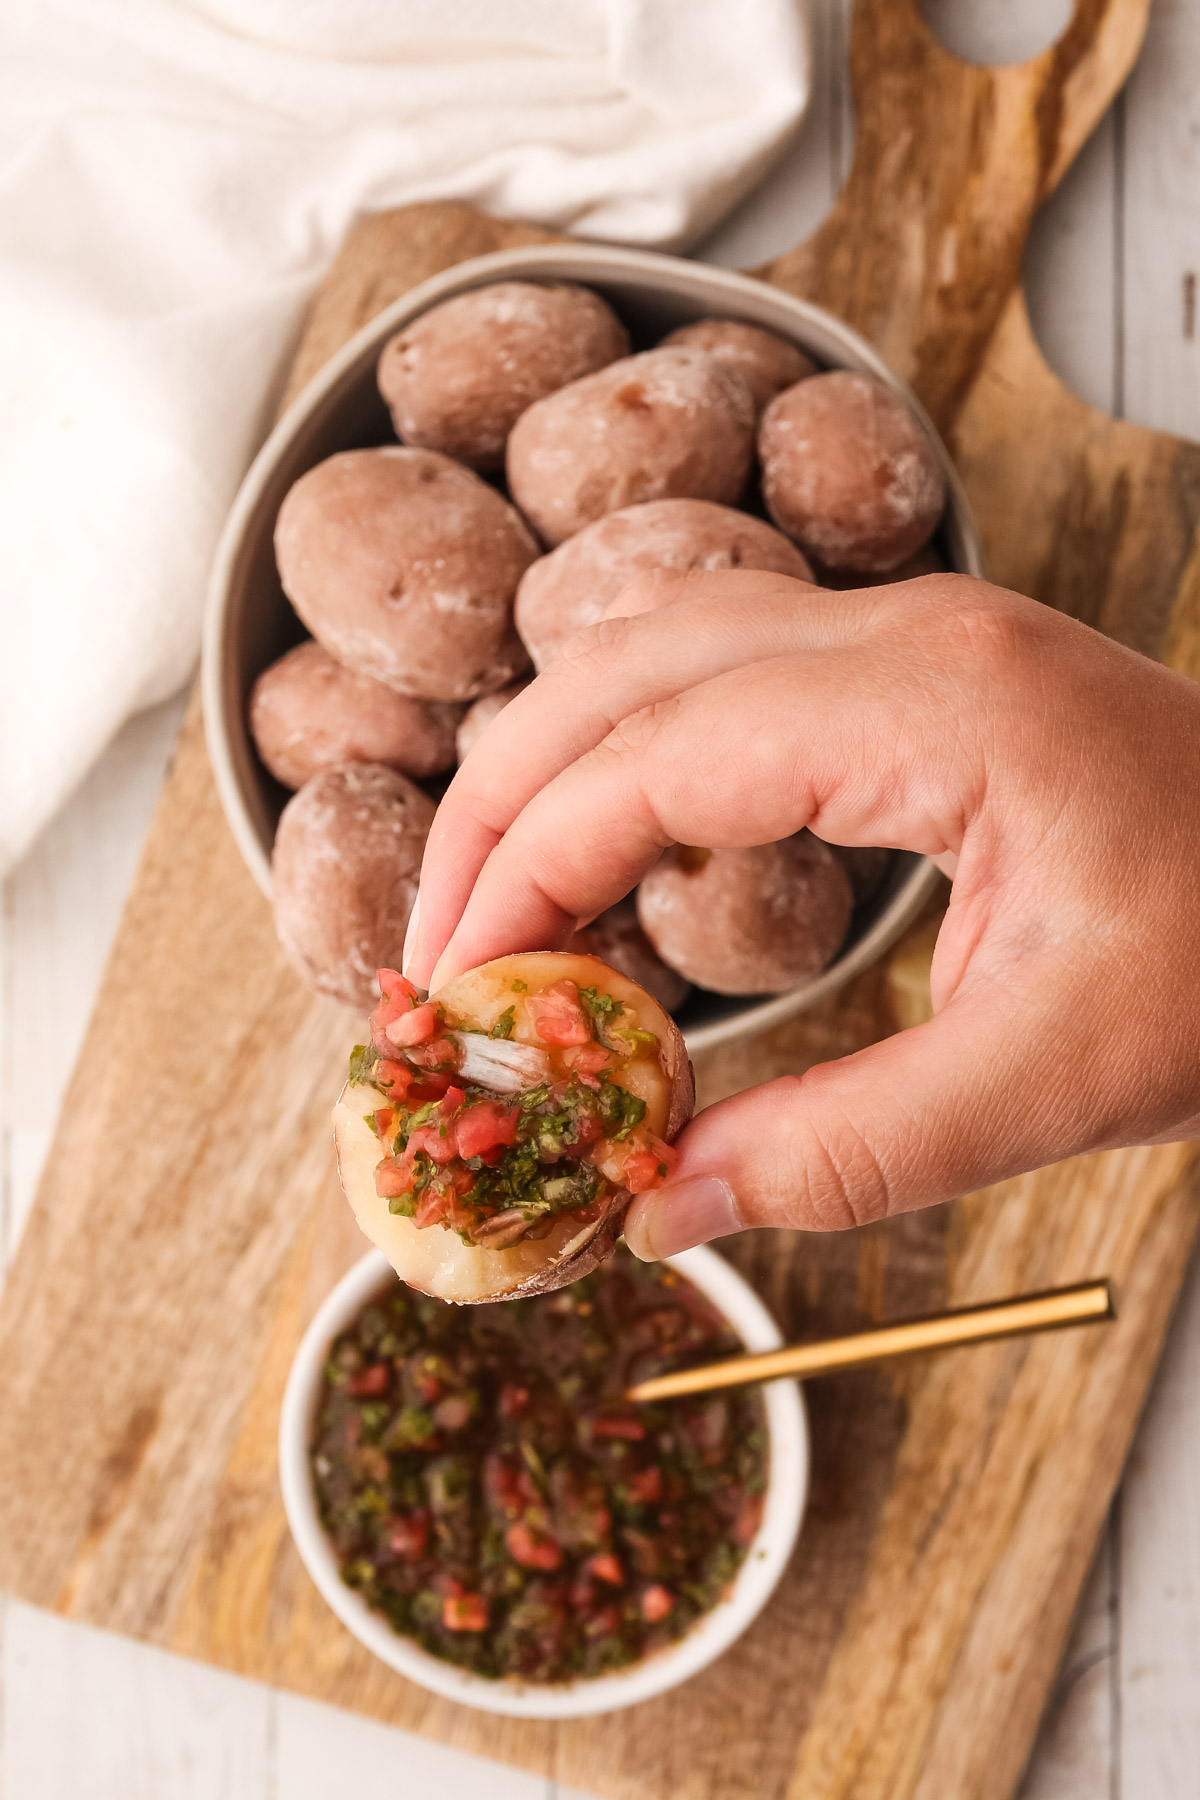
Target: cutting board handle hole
(997, 33)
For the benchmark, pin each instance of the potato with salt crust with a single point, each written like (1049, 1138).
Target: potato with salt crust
(480, 714)
(747, 921)
(668, 424)
(577, 584)
(490, 1138)
(617, 939)
(344, 875)
(404, 565)
(848, 472)
(459, 377)
(308, 713)
(766, 363)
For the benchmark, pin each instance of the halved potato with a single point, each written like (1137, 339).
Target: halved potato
(434, 1257)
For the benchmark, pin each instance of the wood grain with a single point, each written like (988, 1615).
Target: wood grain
(156, 1300)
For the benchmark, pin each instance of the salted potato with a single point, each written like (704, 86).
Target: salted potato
(480, 714)
(404, 565)
(490, 1139)
(848, 472)
(459, 377)
(308, 713)
(577, 584)
(747, 921)
(344, 875)
(617, 939)
(668, 424)
(765, 362)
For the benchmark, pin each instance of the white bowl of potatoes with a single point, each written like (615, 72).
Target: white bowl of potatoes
(393, 569)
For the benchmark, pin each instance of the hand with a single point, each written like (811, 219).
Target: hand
(1053, 772)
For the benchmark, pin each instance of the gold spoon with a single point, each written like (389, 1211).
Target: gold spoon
(1088, 1303)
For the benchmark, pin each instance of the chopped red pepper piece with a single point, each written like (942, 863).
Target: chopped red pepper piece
(533, 1549)
(648, 1168)
(394, 1078)
(606, 1567)
(393, 985)
(408, 1535)
(431, 1208)
(557, 1016)
(465, 1612)
(513, 1400)
(646, 1486)
(657, 1602)
(369, 1381)
(416, 1026)
(749, 1519)
(393, 1177)
(614, 1426)
(487, 1125)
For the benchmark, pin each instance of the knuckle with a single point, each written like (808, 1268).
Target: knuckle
(637, 734)
(988, 628)
(591, 652)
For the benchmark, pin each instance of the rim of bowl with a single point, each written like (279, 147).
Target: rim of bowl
(766, 1559)
(721, 290)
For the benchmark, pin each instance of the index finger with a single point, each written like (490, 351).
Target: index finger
(721, 620)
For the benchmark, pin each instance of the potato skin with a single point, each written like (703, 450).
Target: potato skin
(480, 714)
(403, 565)
(344, 876)
(436, 1260)
(308, 713)
(618, 940)
(668, 424)
(577, 584)
(849, 473)
(765, 362)
(458, 378)
(747, 921)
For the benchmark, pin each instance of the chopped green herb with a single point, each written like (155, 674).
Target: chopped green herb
(620, 1110)
(520, 987)
(363, 1063)
(503, 1028)
(596, 1002)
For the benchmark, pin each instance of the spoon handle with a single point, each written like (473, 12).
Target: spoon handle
(1087, 1303)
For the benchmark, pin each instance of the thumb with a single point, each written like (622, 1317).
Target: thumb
(964, 1100)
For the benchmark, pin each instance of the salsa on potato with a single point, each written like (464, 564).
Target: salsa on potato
(488, 1489)
(490, 1138)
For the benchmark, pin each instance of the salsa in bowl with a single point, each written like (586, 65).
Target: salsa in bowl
(484, 1510)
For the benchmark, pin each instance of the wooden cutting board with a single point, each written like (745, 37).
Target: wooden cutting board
(188, 1221)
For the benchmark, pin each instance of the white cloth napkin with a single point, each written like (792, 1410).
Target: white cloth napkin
(174, 175)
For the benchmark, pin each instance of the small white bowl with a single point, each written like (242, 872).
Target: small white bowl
(787, 1488)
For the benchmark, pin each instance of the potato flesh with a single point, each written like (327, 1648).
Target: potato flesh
(435, 1259)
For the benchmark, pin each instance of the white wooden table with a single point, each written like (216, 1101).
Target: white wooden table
(85, 1716)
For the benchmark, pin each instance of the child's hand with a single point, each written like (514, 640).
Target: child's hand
(1054, 773)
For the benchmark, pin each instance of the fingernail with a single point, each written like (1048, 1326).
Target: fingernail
(674, 1218)
(410, 936)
